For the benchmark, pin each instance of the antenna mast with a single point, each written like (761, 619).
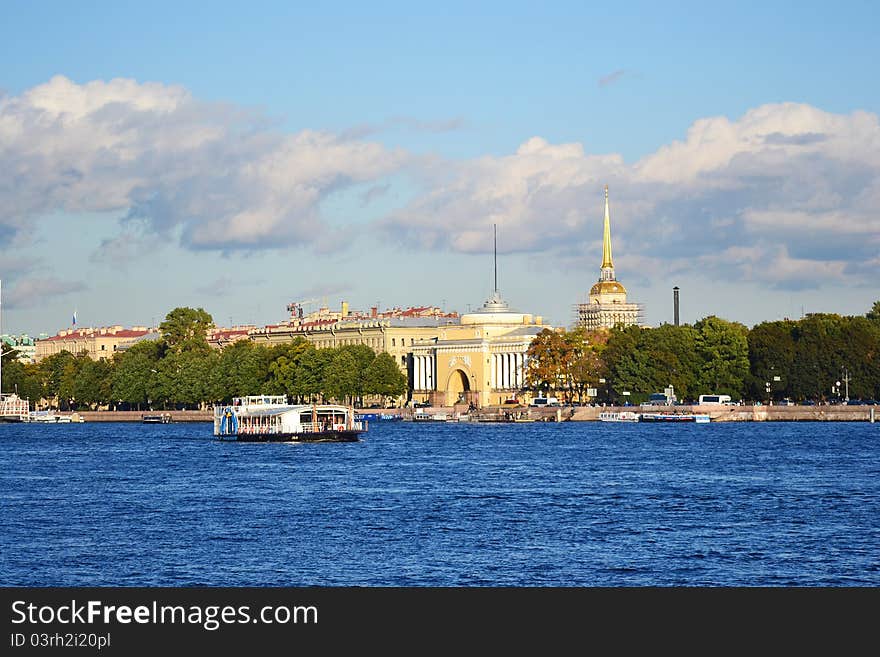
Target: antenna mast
(495, 253)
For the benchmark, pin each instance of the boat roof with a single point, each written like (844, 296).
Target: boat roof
(299, 408)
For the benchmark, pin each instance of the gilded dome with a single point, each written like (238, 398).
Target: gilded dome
(607, 287)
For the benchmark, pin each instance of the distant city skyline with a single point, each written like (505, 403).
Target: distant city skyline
(239, 159)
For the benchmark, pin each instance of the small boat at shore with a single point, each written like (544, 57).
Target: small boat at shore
(156, 418)
(698, 418)
(269, 418)
(618, 416)
(51, 417)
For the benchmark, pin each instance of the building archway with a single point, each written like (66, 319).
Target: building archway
(457, 387)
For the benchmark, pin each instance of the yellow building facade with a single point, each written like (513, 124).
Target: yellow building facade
(482, 360)
(98, 343)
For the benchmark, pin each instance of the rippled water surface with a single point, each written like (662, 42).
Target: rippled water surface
(544, 504)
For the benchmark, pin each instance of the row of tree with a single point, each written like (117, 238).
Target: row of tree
(819, 357)
(804, 359)
(181, 370)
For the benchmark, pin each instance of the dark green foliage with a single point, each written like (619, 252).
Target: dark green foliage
(722, 351)
(242, 369)
(135, 374)
(186, 329)
(22, 379)
(383, 377)
(342, 378)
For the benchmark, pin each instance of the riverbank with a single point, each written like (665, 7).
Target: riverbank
(578, 413)
(837, 413)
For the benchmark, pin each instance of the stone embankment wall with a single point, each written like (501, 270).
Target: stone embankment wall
(137, 416)
(581, 413)
(751, 413)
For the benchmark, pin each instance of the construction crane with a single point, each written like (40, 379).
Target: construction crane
(295, 308)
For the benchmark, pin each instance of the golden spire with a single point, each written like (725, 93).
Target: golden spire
(606, 237)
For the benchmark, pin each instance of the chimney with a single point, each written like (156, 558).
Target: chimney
(344, 309)
(374, 312)
(675, 303)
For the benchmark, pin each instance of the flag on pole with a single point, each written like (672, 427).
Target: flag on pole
(74, 318)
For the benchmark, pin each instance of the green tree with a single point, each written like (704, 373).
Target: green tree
(874, 313)
(818, 355)
(184, 378)
(308, 377)
(363, 357)
(771, 355)
(92, 386)
(287, 368)
(342, 379)
(383, 377)
(186, 329)
(67, 387)
(52, 369)
(242, 369)
(628, 364)
(135, 373)
(723, 350)
(20, 378)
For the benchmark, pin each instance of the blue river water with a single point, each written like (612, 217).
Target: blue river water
(543, 504)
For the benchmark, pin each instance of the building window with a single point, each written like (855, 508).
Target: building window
(393, 342)
(103, 347)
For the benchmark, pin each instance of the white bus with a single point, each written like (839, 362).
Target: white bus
(715, 399)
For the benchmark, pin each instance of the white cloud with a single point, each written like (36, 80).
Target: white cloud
(32, 292)
(156, 154)
(787, 195)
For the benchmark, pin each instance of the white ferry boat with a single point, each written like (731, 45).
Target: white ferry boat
(618, 416)
(13, 408)
(269, 418)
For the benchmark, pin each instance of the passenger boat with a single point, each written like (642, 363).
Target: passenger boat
(156, 418)
(674, 417)
(13, 408)
(269, 418)
(50, 417)
(618, 416)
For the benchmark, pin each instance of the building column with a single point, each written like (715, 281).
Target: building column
(496, 364)
(417, 372)
(491, 371)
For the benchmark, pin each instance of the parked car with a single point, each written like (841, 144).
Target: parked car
(544, 401)
(808, 402)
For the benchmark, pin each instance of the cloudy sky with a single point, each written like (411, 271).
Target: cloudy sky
(241, 156)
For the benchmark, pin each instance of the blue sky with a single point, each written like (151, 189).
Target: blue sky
(237, 157)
